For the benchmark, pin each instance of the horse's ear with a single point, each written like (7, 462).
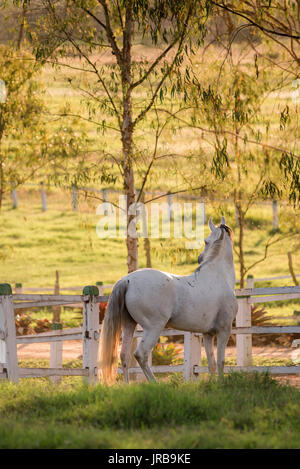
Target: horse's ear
(211, 225)
(223, 221)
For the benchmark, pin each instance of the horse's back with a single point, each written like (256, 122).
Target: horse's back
(149, 296)
(154, 297)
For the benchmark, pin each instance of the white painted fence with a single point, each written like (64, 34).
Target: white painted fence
(89, 334)
(19, 288)
(153, 194)
(250, 281)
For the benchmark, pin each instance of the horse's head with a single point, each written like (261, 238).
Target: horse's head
(215, 239)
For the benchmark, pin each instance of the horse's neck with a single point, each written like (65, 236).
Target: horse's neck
(228, 262)
(223, 263)
(229, 273)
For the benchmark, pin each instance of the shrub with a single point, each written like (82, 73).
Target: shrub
(165, 354)
(42, 325)
(23, 324)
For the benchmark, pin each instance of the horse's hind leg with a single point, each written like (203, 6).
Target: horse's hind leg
(145, 347)
(209, 349)
(128, 328)
(223, 337)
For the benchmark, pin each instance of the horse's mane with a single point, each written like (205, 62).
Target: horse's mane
(215, 249)
(228, 230)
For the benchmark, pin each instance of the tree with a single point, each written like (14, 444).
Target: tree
(27, 146)
(86, 28)
(276, 19)
(249, 149)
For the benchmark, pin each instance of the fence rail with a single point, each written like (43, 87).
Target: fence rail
(73, 191)
(250, 281)
(90, 331)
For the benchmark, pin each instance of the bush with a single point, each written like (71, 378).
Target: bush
(165, 354)
(42, 325)
(23, 324)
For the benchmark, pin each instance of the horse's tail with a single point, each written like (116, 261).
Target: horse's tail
(110, 333)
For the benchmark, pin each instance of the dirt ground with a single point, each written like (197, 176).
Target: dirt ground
(73, 350)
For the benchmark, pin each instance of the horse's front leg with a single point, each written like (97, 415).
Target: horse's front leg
(208, 340)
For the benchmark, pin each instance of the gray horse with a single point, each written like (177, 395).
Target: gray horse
(202, 302)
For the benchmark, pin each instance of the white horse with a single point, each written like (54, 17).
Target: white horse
(202, 302)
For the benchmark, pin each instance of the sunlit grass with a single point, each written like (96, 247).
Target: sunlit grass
(240, 411)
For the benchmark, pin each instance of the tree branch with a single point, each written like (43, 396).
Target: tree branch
(262, 28)
(110, 34)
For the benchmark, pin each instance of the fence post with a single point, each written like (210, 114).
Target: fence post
(100, 288)
(56, 353)
(192, 354)
(104, 197)
(56, 309)
(90, 330)
(18, 288)
(250, 281)
(8, 347)
(275, 215)
(43, 197)
(204, 212)
(147, 246)
(74, 198)
(243, 341)
(14, 198)
(170, 204)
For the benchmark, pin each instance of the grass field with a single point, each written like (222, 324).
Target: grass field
(239, 412)
(34, 244)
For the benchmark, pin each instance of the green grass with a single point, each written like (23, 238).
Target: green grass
(229, 361)
(35, 244)
(241, 411)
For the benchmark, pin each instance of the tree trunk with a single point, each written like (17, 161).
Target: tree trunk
(1, 182)
(147, 248)
(1, 172)
(131, 241)
(239, 211)
(22, 26)
(241, 242)
(127, 141)
(292, 269)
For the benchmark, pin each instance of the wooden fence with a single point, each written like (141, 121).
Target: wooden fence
(19, 288)
(89, 334)
(73, 190)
